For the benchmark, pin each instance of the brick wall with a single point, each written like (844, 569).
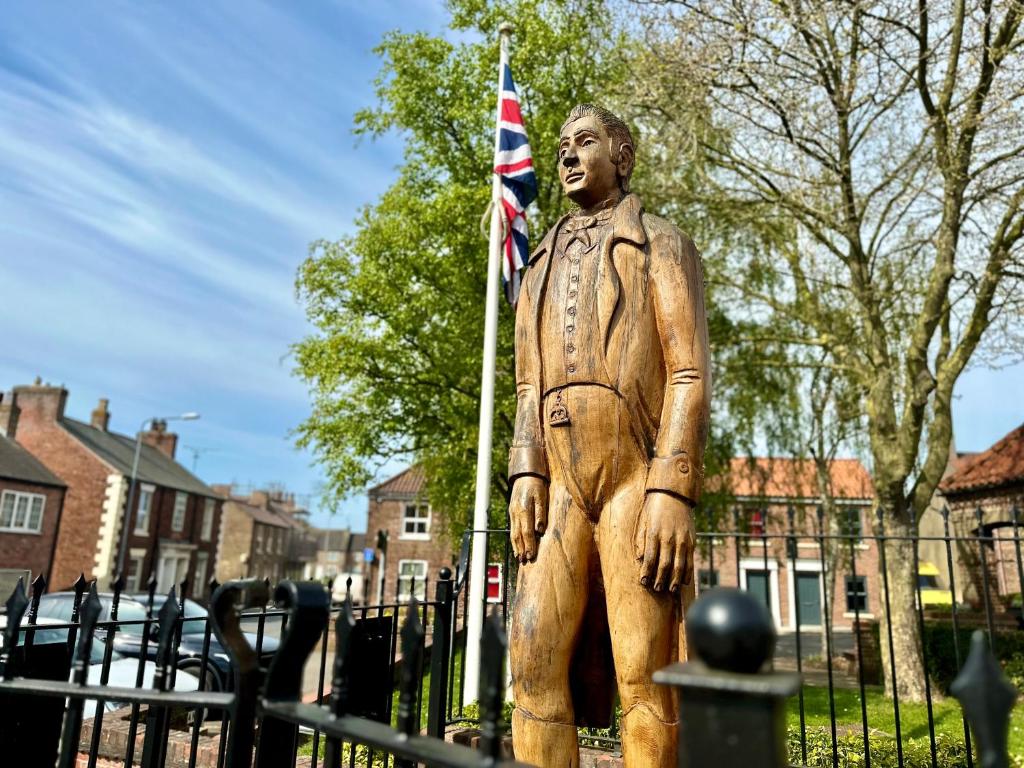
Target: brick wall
(85, 475)
(31, 552)
(385, 513)
(1001, 559)
(236, 542)
(751, 552)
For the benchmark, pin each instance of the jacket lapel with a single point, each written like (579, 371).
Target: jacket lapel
(626, 225)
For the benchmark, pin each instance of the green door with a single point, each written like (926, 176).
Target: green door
(758, 585)
(808, 592)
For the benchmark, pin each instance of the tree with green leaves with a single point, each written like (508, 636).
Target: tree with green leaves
(394, 363)
(886, 146)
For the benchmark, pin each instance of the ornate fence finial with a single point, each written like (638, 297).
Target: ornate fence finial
(409, 684)
(987, 698)
(167, 620)
(344, 626)
(734, 714)
(89, 615)
(16, 604)
(493, 646)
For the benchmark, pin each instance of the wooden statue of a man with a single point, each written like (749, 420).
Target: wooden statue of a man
(613, 385)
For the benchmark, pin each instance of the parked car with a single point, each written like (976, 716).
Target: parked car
(128, 639)
(121, 673)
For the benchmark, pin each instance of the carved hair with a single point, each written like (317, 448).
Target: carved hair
(617, 131)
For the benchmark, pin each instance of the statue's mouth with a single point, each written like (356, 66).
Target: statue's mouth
(574, 176)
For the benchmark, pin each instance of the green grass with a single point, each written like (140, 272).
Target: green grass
(913, 717)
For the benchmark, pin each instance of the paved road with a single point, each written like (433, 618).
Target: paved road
(811, 645)
(311, 674)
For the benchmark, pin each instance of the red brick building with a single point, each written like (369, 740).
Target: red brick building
(175, 518)
(31, 502)
(761, 490)
(991, 481)
(416, 545)
(263, 536)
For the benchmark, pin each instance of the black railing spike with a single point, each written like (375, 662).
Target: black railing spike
(987, 699)
(80, 585)
(212, 586)
(1015, 515)
(344, 630)
(348, 587)
(16, 604)
(119, 584)
(409, 684)
(151, 584)
(38, 588)
(167, 620)
(89, 615)
(492, 684)
(945, 511)
(183, 591)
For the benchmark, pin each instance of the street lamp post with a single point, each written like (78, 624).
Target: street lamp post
(130, 501)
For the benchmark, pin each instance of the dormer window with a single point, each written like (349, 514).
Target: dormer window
(416, 521)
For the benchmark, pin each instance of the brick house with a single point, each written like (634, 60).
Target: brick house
(760, 491)
(991, 481)
(175, 518)
(31, 503)
(264, 535)
(417, 546)
(339, 556)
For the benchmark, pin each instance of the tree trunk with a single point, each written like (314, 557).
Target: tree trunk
(899, 616)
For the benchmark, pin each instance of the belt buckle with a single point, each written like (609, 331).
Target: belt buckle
(559, 414)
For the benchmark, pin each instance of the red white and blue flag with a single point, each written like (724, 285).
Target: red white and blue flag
(514, 165)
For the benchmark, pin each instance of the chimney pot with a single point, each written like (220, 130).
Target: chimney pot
(100, 415)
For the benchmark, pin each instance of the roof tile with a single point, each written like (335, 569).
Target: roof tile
(1000, 465)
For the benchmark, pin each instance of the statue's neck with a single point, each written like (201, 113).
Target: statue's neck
(609, 202)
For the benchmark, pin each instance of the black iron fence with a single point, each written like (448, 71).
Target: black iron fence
(384, 683)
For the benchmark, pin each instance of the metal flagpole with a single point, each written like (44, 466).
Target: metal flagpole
(478, 561)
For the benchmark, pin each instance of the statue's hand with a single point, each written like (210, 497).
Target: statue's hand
(665, 541)
(528, 515)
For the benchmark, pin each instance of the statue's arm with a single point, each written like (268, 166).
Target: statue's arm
(678, 290)
(526, 457)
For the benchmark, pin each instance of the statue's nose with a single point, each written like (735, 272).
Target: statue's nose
(569, 159)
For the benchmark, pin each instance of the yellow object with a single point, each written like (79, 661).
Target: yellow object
(928, 584)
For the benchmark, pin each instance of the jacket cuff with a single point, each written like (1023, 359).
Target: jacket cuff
(677, 475)
(527, 460)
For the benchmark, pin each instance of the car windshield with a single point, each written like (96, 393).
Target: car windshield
(129, 610)
(195, 619)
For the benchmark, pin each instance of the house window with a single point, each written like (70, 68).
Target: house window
(207, 530)
(202, 560)
(412, 576)
(259, 540)
(757, 522)
(136, 562)
(706, 579)
(178, 518)
(416, 521)
(856, 593)
(850, 523)
(21, 512)
(280, 542)
(494, 591)
(143, 511)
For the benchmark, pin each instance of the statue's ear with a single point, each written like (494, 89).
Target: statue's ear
(624, 165)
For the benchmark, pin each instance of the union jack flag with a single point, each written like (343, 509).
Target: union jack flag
(514, 165)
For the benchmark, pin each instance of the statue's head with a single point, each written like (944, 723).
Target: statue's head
(595, 155)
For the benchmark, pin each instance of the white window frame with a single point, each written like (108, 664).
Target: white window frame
(258, 540)
(757, 564)
(180, 511)
(280, 542)
(206, 532)
(29, 499)
(404, 581)
(143, 512)
(199, 579)
(137, 557)
(416, 520)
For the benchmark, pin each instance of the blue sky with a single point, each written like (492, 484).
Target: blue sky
(163, 168)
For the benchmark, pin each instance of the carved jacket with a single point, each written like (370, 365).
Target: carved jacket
(653, 331)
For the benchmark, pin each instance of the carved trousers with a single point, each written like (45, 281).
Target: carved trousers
(594, 503)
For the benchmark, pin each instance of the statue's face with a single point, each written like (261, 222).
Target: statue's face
(585, 166)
